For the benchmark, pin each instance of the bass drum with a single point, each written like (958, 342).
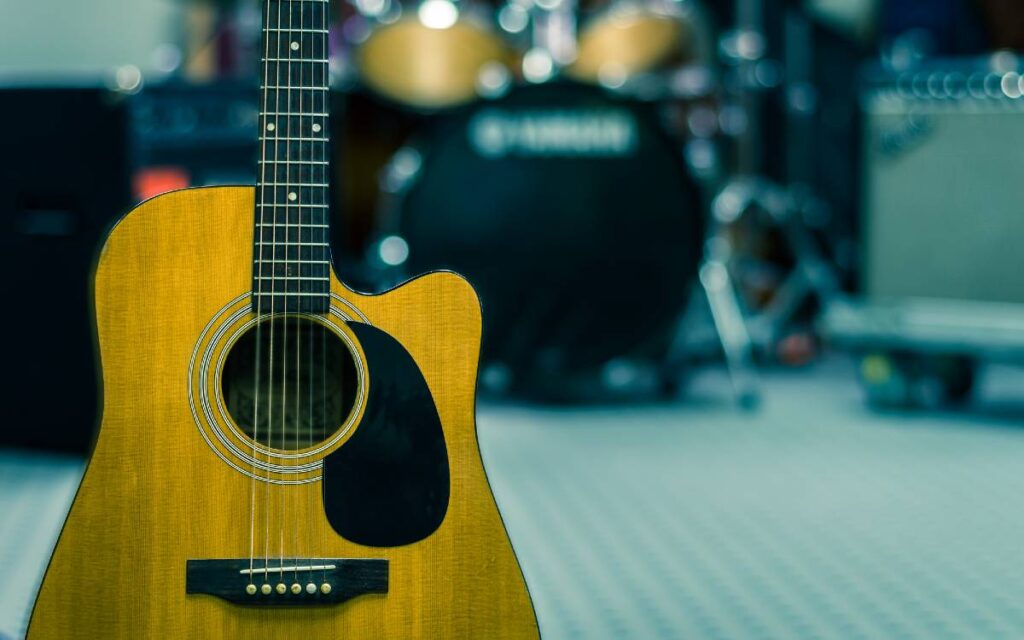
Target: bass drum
(572, 214)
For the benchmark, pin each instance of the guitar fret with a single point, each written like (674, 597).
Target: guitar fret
(296, 30)
(293, 184)
(297, 60)
(298, 278)
(290, 243)
(318, 262)
(285, 205)
(298, 115)
(287, 208)
(317, 163)
(283, 251)
(299, 225)
(300, 247)
(293, 288)
(291, 139)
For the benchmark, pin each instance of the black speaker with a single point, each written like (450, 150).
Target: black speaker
(64, 181)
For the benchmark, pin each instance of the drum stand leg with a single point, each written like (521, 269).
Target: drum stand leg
(731, 327)
(811, 279)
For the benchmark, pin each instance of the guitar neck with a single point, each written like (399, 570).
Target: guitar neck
(291, 266)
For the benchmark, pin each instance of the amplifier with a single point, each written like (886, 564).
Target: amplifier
(941, 229)
(943, 205)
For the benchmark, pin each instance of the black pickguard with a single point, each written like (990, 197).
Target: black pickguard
(389, 484)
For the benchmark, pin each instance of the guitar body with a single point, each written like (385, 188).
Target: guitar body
(162, 489)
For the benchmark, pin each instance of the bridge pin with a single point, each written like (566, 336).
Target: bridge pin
(296, 588)
(250, 589)
(265, 589)
(311, 588)
(281, 588)
(325, 588)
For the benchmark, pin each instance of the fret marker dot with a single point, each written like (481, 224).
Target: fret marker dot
(271, 126)
(295, 46)
(317, 128)
(293, 196)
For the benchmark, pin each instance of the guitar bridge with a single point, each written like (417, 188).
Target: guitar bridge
(290, 582)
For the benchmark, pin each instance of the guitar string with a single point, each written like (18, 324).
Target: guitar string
(297, 300)
(299, 320)
(258, 262)
(273, 312)
(325, 213)
(314, 54)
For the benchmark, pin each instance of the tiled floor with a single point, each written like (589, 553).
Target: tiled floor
(811, 518)
(35, 493)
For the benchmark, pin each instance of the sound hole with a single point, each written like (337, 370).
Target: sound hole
(289, 383)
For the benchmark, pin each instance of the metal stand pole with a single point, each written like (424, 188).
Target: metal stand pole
(554, 39)
(732, 331)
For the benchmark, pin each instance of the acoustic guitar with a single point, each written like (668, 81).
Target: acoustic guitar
(279, 456)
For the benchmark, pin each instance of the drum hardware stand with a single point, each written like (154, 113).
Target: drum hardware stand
(697, 339)
(811, 277)
(790, 209)
(553, 39)
(731, 326)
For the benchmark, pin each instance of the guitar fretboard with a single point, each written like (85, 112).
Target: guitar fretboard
(291, 257)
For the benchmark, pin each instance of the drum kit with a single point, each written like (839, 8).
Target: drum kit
(439, 54)
(562, 161)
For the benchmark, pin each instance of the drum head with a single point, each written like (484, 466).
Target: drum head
(416, 65)
(619, 45)
(573, 216)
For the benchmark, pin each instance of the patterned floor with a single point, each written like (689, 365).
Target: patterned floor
(35, 493)
(811, 518)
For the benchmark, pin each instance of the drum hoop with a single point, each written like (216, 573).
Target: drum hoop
(637, 8)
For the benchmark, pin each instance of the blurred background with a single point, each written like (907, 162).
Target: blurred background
(750, 269)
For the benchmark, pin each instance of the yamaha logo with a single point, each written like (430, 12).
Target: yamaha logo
(495, 133)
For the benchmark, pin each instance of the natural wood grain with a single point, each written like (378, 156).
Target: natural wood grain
(155, 495)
